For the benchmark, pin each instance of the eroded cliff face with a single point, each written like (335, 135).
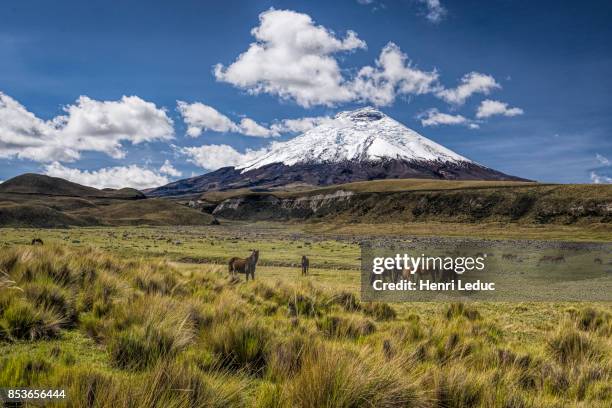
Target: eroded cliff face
(269, 207)
(504, 205)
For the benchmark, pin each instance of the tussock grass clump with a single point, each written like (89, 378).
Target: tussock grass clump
(458, 309)
(98, 296)
(593, 320)
(348, 301)
(264, 290)
(379, 311)
(174, 384)
(303, 305)
(87, 387)
(139, 347)
(94, 327)
(20, 369)
(54, 298)
(271, 396)
(286, 356)
(456, 387)
(22, 321)
(301, 300)
(345, 327)
(151, 329)
(569, 345)
(240, 345)
(332, 377)
(228, 306)
(152, 281)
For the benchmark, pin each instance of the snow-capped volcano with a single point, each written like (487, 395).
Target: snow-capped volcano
(364, 134)
(360, 145)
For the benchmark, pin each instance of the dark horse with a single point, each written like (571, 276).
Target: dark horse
(37, 241)
(305, 265)
(244, 265)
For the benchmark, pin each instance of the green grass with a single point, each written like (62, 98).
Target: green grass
(119, 317)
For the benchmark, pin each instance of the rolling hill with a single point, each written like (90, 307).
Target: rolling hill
(34, 200)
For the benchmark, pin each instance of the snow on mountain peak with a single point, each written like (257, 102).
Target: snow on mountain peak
(364, 134)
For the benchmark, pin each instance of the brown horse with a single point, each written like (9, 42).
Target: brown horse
(305, 265)
(244, 265)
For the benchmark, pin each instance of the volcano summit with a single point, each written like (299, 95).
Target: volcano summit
(364, 144)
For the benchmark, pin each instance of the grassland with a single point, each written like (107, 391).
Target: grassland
(146, 316)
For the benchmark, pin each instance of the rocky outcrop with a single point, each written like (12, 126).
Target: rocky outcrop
(541, 205)
(270, 207)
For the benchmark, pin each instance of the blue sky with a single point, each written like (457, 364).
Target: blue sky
(89, 90)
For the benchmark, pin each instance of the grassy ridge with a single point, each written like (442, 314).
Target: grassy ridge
(53, 212)
(408, 201)
(119, 332)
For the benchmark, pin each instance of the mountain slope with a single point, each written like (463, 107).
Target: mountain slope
(359, 145)
(363, 135)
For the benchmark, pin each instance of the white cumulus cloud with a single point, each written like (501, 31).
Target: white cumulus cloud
(490, 108)
(433, 117)
(199, 117)
(603, 160)
(299, 125)
(212, 157)
(169, 169)
(251, 128)
(435, 11)
(471, 83)
(87, 125)
(110, 177)
(392, 75)
(293, 58)
(600, 178)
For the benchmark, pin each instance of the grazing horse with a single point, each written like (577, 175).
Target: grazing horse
(305, 265)
(37, 241)
(244, 265)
